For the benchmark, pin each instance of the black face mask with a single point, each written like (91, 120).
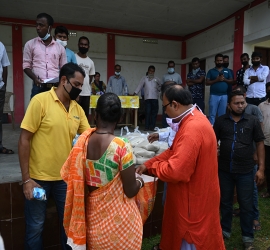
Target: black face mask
(83, 50)
(225, 65)
(219, 65)
(74, 92)
(245, 63)
(256, 63)
(268, 95)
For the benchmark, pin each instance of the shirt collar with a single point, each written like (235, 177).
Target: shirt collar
(251, 67)
(244, 116)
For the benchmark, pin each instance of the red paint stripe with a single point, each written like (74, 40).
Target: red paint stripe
(18, 84)
(110, 55)
(239, 12)
(238, 42)
(6, 20)
(183, 66)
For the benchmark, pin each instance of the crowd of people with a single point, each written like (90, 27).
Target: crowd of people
(206, 160)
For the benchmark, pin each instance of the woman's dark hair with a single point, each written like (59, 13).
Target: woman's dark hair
(61, 29)
(109, 107)
(180, 95)
(152, 67)
(69, 70)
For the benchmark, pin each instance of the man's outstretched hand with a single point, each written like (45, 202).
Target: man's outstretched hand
(141, 169)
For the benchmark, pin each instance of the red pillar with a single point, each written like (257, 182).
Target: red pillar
(110, 55)
(18, 84)
(183, 66)
(238, 40)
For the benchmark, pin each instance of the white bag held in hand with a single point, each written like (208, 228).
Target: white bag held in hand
(137, 140)
(148, 146)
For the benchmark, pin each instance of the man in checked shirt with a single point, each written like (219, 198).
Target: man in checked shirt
(43, 56)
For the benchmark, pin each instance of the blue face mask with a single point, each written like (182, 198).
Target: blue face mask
(46, 36)
(195, 71)
(170, 70)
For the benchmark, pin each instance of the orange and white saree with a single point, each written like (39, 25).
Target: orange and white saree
(109, 219)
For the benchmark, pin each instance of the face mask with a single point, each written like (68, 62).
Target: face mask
(175, 125)
(170, 70)
(83, 50)
(256, 63)
(195, 71)
(63, 43)
(46, 36)
(117, 73)
(74, 92)
(219, 65)
(245, 63)
(268, 95)
(225, 65)
(151, 76)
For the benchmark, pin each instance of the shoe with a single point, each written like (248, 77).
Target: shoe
(249, 246)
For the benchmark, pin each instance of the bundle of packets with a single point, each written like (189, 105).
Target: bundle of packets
(39, 194)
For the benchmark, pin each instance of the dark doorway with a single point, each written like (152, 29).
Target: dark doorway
(265, 55)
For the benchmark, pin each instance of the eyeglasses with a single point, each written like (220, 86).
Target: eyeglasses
(165, 106)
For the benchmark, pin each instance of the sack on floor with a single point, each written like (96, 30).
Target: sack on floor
(145, 198)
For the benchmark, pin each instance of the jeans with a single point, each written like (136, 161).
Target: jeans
(255, 101)
(35, 215)
(84, 102)
(256, 213)
(2, 102)
(36, 90)
(151, 111)
(200, 103)
(217, 105)
(244, 188)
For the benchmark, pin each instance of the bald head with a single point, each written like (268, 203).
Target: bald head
(179, 94)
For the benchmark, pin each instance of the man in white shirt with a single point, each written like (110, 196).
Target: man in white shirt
(255, 79)
(151, 85)
(172, 76)
(4, 63)
(88, 65)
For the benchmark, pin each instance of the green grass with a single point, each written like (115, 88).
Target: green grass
(261, 238)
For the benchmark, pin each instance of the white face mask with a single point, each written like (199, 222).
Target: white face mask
(63, 43)
(117, 73)
(46, 36)
(175, 125)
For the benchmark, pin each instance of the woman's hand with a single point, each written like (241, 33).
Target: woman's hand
(141, 169)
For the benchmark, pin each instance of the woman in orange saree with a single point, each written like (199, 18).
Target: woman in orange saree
(110, 218)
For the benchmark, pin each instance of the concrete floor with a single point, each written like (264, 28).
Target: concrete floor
(9, 164)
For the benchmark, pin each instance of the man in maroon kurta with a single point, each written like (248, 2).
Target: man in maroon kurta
(191, 211)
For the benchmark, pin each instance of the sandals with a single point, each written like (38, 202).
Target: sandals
(256, 226)
(156, 247)
(6, 151)
(265, 195)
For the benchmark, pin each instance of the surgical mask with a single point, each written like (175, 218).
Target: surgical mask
(225, 65)
(195, 71)
(170, 70)
(175, 125)
(151, 76)
(83, 50)
(268, 95)
(117, 73)
(63, 43)
(219, 65)
(46, 36)
(245, 63)
(256, 63)
(74, 92)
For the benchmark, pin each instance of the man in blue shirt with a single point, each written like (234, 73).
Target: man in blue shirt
(61, 36)
(195, 82)
(218, 79)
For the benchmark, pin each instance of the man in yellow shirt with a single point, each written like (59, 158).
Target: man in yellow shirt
(51, 122)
